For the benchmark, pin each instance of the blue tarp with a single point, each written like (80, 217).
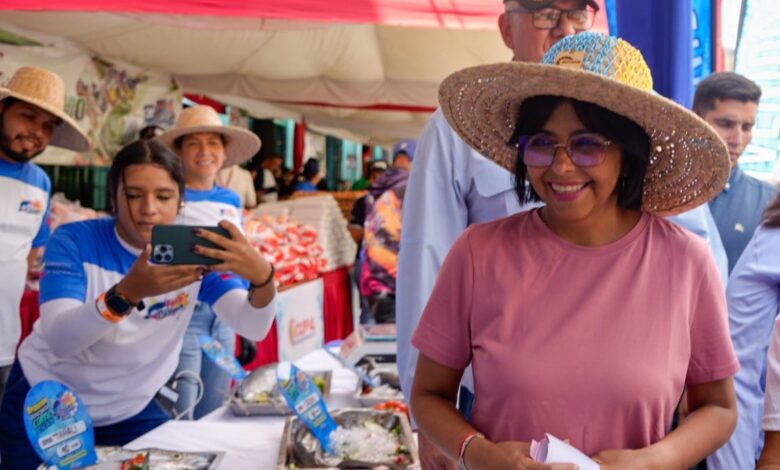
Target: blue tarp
(661, 29)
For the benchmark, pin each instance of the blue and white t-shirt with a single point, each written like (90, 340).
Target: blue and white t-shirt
(24, 208)
(123, 365)
(210, 207)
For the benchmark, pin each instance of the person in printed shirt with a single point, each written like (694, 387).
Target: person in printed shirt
(112, 323)
(382, 229)
(585, 318)
(205, 145)
(32, 117)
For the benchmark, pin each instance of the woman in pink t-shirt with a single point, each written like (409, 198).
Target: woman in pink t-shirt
(587, 318)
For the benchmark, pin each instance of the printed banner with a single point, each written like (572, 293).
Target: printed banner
(111, 101)
(299, 320)
(758, 58)
(702, 39)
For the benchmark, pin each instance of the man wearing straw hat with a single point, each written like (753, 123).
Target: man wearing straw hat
(32, 117)
(206, 146)
(454, 187)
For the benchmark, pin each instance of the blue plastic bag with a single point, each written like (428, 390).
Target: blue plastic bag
(305, 399)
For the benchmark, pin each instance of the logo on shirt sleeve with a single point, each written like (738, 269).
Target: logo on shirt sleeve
(34, 207)
(169, 307)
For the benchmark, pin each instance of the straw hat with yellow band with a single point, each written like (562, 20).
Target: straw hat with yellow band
(688, 163)
(46, 90)
(240, 144)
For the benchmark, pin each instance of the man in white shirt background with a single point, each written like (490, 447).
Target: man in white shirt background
(32, 117)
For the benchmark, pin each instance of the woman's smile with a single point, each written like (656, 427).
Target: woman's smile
(567, 191)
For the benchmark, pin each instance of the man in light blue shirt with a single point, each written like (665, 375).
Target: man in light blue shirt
(729, 103)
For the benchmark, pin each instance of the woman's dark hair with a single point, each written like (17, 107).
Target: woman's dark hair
(143, 152)
(632, 139)
(772, 213)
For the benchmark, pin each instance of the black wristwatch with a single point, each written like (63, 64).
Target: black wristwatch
(118, 304)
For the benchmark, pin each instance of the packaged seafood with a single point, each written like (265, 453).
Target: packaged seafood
(117, 458)
(389, 384)
(366, 439)
(258, 394)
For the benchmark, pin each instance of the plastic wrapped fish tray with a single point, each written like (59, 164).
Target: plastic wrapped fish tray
(389, 381)
(259, 395)
(112, 458)
(300, 449)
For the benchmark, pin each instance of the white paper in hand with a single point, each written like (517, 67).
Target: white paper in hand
(553, 450)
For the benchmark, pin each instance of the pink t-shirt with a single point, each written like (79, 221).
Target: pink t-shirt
(591, 344)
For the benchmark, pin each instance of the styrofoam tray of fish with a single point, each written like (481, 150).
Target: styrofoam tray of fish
(365, 439)
(389, 385)
(259, 395)
(117, 458)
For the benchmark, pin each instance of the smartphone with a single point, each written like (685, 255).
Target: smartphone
(172, 244)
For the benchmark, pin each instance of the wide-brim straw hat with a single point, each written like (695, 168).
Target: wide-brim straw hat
(688, 161)
(46, 90)
(240, 145)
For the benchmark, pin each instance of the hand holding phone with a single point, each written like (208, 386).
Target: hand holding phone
(146, 279)
(238, 256)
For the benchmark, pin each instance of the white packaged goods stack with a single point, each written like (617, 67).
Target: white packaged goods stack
(290, 245)
(323, 213)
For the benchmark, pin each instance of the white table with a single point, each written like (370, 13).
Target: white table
(249, 442)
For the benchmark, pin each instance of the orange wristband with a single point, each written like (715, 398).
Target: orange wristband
(106, 312)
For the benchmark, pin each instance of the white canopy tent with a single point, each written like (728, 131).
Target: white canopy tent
(367, 82)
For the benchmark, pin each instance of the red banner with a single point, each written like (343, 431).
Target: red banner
(456, 14)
